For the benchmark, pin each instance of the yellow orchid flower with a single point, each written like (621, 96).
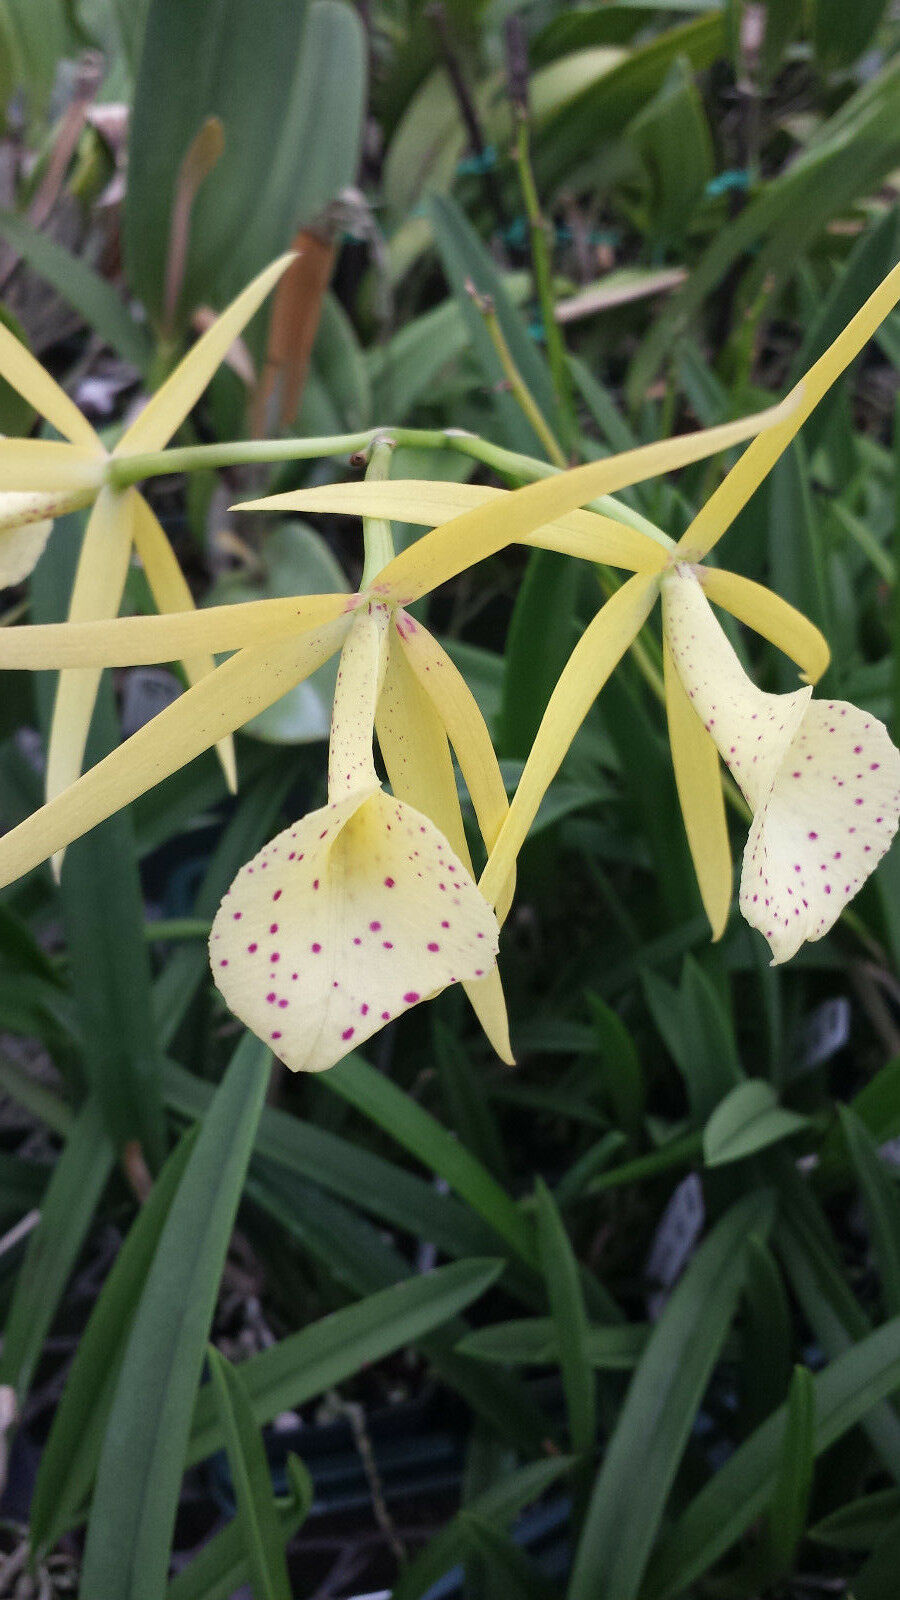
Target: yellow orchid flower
(363, 908)
(41, 479)
(403, 682)
(823, 779)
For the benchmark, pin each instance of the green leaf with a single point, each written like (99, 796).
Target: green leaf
(845, 158)
(793, 1477)
(517, 1575)
(882, 1205)
(316, 152)
(841, 33)
(69, 1458)
(574, 141)
(860, 1524)
(845, 1392)
(413, 1128)
(877, 1580)
(257, 1514)
(220, 1567)
(468, 1104)
(766, 1335)
(653, 1425)
(672, 138)
(567, 1309)
(251, 824)
(535, 1341)
(699, 1034)
(620, 1066)
(877, 1106)
(747, 1120)
(539, 640)
(140, 1468)
(354, 1254)
(497, 1506)
(40, 38)
(70, 1201)
(344, 1168)
(81, 287)
(464, 260)
(203, 58)
(331, 1350)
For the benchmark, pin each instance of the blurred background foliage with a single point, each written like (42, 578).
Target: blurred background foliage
(677, 1222)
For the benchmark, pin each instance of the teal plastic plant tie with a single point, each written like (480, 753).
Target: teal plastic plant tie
(471, 166)
(735, 179)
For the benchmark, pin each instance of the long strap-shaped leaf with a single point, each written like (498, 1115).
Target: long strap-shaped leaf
(845, 1392)
(136, 1497)
(646, 1447)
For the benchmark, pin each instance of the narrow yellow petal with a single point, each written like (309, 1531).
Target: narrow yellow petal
(138, 641)
(416, 754)
(460, 715)
(200, 718)
(778, 621)
(96, 592)
(351, 758)
(698, 779)
(758, 460)
(597, 652)
(586, 534)
(19, 367)
(167, 409)
(476, 534)
(170, 590)
(70, 471)
(343, 922)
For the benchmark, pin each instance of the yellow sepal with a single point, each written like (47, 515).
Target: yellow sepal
(168, 407)
(767, 614)
(699, 783)
(200, 718)
(597, 652)
(170, 590)
(476, 534)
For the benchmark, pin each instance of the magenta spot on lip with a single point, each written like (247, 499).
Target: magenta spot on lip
(385, 1016)
(294, 977)
(277, 895)
(282, 1005)
(386, 944)
(315, 948)
(324, 833)
(348, 1033)
(445, 924)
(812, 836)
(273, 927)
(434, 946)
(271, 997)
(275, 956)
(252, 949)
(224, 962)
(315, 883)
(857, 749)
(374, 927)
(357, 941)
(275, 1034)
(411, 997)
(237, 915)
(364, 1011)
(389, 883)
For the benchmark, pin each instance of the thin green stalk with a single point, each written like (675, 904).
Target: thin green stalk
(543, 278)
(124, 471)
(378, 539)
(518, 387)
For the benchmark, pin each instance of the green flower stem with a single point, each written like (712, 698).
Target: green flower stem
(543, 281)
(517, 385)
(123, 471)
(378, 540)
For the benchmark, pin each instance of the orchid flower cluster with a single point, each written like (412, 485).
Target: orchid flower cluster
(369, 905)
